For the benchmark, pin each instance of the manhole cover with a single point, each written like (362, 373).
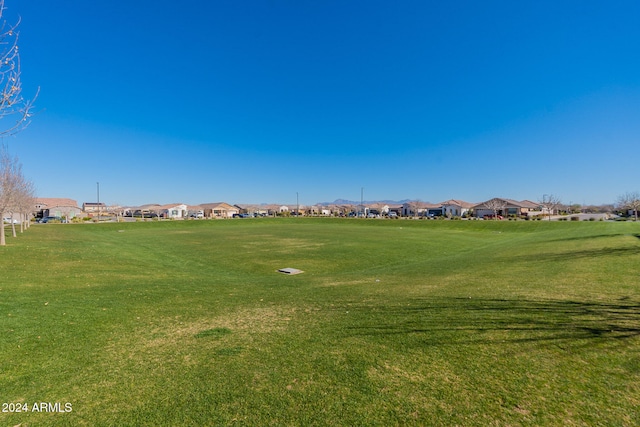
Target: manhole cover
(289, 270)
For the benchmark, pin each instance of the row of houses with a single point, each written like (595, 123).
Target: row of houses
(69, 208)
(459, 208)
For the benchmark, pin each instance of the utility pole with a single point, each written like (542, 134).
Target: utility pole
(98, 185)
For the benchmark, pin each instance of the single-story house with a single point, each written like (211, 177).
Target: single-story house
(530, 208)
(219, 210)
(395, 208)
(173, 211)
(94, 207)
(317, 210)
(342, 210)
(421, 209)
(144, 211)
(254, 210)
(454, 207)
(250, 209)
(64, 208)
(378, 208)
(506, 207)
(271, 210)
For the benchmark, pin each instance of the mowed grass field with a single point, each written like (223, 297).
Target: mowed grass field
(468, 323)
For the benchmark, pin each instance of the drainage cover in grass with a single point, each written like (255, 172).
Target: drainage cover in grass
(214, 333)
(289, 270)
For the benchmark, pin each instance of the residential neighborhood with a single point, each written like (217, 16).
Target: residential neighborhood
(68, 210)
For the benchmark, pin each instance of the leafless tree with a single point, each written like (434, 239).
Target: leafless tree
(550, 203)
(414, 207)
(16, 193)
(16, 109)
(117, 210)
(12, 104)
(25, 203)
(496, 205)
(630, 201)
(10, 179)
(23, 193)
(66, 214)
(5, 189)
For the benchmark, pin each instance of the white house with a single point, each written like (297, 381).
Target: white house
(173, 211)
(454, 207)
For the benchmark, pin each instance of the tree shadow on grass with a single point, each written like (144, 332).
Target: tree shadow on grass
(580, 254)
(587, 237)
(485, 321)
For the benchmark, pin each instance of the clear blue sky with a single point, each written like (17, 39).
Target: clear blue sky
(254, 101)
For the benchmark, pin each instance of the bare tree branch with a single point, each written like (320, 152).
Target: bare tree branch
(16, 192)
(496, 205)
(630, 201)
(550, 203)
(12, 103)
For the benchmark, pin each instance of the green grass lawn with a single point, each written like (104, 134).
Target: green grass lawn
(469, 323)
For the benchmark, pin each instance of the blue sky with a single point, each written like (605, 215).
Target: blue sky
(254, 101)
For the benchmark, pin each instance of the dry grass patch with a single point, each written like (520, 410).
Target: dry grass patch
(240, 326)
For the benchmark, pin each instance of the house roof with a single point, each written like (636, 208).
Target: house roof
(530, 204)
(271, 207)
(217, 205)
(460, 203)
(53, 201)
(169, 206)
(509, 203)
(423, 205)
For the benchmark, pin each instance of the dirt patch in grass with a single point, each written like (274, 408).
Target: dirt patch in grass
(173, 335)
(350, 282)
(283, 245)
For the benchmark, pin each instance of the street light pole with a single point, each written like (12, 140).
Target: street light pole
(98, 186)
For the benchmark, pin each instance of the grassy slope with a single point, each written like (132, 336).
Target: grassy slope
(393, 322)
